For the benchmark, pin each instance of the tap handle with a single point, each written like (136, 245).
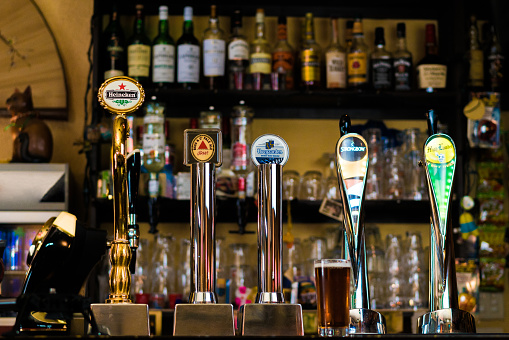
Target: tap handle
(344, 125)
(133, 179)
(432, 122)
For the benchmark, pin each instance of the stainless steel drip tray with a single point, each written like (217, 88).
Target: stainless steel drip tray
(270, 319)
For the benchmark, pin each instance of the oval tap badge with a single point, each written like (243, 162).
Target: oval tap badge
(269, 149)
(439, 149)
(203, 148)
(121, 95)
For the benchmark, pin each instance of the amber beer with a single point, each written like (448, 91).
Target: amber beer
(333, 296)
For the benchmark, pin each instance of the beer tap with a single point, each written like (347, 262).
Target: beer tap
(203, 316)
(119, 316)
(270, 315)
(352, 169)
(440, 162)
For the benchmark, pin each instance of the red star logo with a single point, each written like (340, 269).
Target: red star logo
(122, 86)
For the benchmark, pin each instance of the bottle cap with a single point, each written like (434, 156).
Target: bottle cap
(260, 16)
(357, 27)
(163, 12)
(188, 13)
(379, 36)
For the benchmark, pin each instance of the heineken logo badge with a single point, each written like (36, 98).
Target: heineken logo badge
(269, 149)
(203, 148)
(121, 95)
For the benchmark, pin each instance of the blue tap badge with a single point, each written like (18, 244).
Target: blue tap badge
(269, 149)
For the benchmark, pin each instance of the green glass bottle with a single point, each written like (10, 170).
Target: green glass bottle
(163, 53)
(188, 54)
(139, 50)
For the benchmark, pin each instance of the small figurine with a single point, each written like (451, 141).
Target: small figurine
(32, 139)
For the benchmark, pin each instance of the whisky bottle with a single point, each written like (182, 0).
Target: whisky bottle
(381, 63)
(335, 60)
(214, 53)
(283, 55)
(163, 53)
(260, 53)
(431, 70)
(357, 58)
(310, 57)
(114, 47)
(402, 61)
(238, 54)
(474, 56)
(188, 54)
(139, 50)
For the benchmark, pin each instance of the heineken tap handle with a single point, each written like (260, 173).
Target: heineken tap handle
(344, 124)
(432, 122)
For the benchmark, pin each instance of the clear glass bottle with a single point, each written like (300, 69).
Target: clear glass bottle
(163, 275)
(260, 53)
(402, 61)
(335, 60)
(153, 143)
(474, 56)
(310, 57)
(214, 53)
(188, 54)
(163, 53)
(114, 47)
(283, 55)
(139, 50)
(414, 175)
(431, 70)
(381, 63)
(210, 119)
(357, 59)
(240, 123)
(238, 54)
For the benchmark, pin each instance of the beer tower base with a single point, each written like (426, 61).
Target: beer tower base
(270, 319)
(449, 320)
(120, 319)
(366, 321)
(203, 320)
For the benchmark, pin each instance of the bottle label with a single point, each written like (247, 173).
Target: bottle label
(213, 57)
(139, 60)
(310, 67)
(113, 73)
(260, 63)
(238, 50)
(239, 155)
(382, 73)
(357, 68)
(188, 63)
(163, 63)
(402, 71)
(432, 76)
(283, 62)
(476, 73)
(335, 63)
(153, 143)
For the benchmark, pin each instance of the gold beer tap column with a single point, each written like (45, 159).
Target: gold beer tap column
(119, 316)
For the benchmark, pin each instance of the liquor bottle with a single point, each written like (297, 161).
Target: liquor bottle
(260, 53)
(153, 144)
(240, 124)
(357, 57)
(163, 53)
(139, 50)
(431, 70)
(335, 60)
(214, 53)
(310, 56)
(170, 181)
(381, 63)
(188, 54)
(114, 47)
(474, 56)
(349, 33)
(402, 62)
(495, 62)
(238, 54)
(283, 55)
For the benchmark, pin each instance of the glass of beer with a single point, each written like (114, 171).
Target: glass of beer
(333, 296)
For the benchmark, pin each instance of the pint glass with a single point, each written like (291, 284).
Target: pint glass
(333, 296)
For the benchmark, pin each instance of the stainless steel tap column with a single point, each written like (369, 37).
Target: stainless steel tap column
(440, 163)
(203, 316)
(352, 168)
(270, 315)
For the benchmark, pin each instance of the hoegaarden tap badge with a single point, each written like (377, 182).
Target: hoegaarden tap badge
(121, 95)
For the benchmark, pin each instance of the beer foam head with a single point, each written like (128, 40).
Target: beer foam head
(332, 264)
